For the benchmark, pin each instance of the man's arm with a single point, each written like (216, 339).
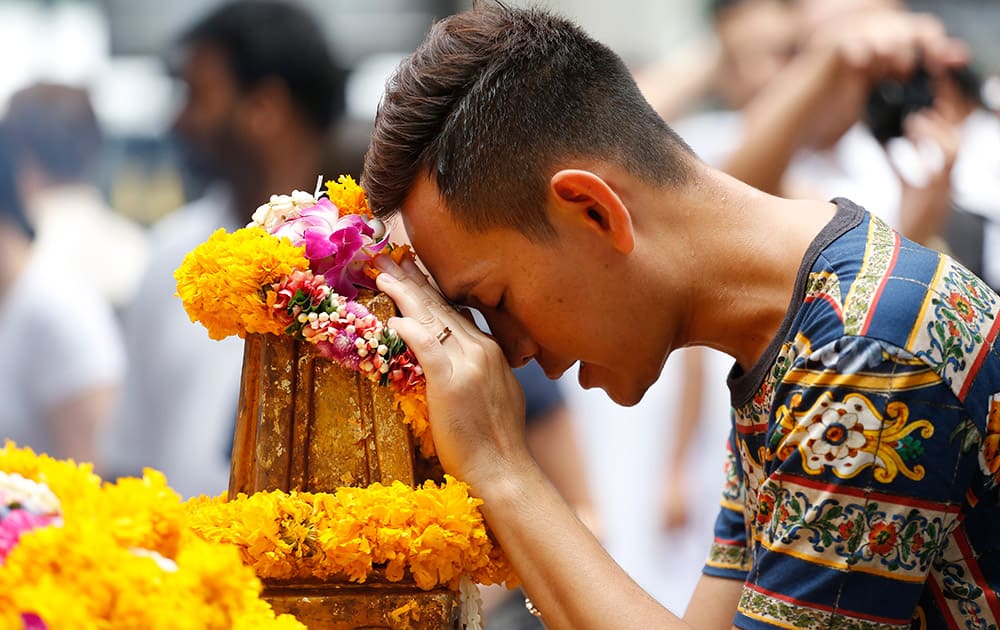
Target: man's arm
(477, 417)
(565, 571)
(713, 603)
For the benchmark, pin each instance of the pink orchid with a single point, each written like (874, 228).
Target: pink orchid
(337, 247)
(321, 216)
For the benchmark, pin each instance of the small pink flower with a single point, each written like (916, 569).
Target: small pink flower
(299, 280)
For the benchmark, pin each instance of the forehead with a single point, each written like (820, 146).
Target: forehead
(455, 256)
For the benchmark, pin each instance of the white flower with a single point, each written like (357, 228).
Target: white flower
(281, 208)
(31, 495)
(470, 615)
(166, 564)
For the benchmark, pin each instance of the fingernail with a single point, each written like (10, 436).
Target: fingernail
(383, 263)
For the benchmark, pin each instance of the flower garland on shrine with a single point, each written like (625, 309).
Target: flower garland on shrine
(434, 533)
(295, 270)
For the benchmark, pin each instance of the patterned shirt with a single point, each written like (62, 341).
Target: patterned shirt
(864, 476)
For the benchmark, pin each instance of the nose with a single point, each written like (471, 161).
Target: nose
(514, 340)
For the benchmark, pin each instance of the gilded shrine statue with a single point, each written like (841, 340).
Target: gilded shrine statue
(335, 497)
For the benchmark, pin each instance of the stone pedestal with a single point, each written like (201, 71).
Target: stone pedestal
(307, 424)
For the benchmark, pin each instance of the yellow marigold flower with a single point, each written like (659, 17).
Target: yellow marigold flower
(221, 281)
(434, 533)
(123, 558)
(348, 196)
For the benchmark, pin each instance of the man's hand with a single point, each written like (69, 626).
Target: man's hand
(475, 402)
(924, 161)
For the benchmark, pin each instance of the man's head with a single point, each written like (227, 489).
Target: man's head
(55, 135)
(252, 69)
(494, 102)
(520, 154)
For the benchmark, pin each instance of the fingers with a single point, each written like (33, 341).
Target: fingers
(929, 128)
(894, 43)
(416, 298)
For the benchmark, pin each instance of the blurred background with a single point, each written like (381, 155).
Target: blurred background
(650, 474)
(117, 49)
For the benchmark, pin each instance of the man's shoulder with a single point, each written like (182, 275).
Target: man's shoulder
(886, 288)
(880, 284)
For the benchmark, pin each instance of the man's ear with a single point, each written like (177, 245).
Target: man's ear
(587, 197)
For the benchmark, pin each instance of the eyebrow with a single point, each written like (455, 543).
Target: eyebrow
(461, 294)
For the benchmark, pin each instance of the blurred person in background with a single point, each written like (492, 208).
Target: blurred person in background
(786, 143)
(754, 40)
(806, 133)
(58, 144)
(262, 95)
(63, 359)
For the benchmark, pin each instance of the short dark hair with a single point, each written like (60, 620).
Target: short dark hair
(56, 125)
(264, 40)
(493, 101)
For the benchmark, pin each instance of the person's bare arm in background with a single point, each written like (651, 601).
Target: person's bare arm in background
(821, 93)
(685, 424)
(74, 424)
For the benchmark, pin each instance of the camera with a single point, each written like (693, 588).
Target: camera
(891, 101)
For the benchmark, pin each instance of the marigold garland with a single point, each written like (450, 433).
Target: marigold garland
(258, 280)
(221, 281)
(123, 557)
(436, 533)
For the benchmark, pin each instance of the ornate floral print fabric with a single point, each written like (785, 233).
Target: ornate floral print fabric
(864, 476)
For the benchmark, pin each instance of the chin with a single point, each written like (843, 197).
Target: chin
(626, 394)
(629, 399)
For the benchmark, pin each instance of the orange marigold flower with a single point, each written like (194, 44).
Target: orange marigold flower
(435, 533)
(123, 558)
(348, 196)
(221, 282)
(413, 404)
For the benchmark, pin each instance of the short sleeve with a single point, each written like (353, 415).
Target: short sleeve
(863, 482)
(729, 556)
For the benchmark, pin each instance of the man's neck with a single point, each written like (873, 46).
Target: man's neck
(747, 248)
